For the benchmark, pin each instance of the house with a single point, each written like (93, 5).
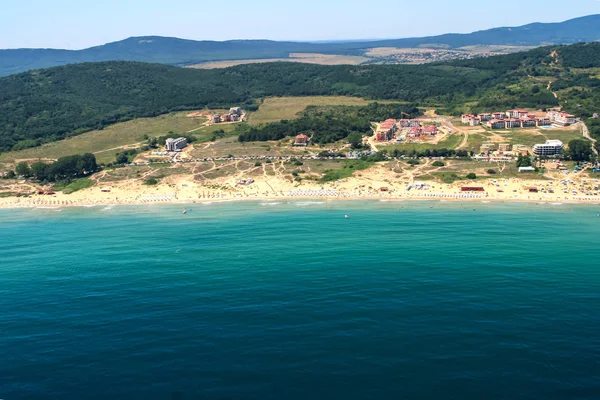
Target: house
(226, 118)
(465, 118)
(516, 113)
(543, 121)
(216, 118)
(550, 148)
(513, 123)
(561, 118)
(527, 122)
(472, 120)
(504, 147)
(498, 115)
(486, 148)
(301, 140)
(409, 123)
(415, 131)
(430, 130)
(595, 116)
(520, 149)
(496, 124)
(175, 144)
(389, 124)
(484, 117)
(235, 111)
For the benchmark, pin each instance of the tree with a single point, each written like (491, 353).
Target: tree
(122, 158)
(471, 175)
(580, 150)
(438, 164)
(355, 140)
(22, 169)
(10, 175)
(523, 161)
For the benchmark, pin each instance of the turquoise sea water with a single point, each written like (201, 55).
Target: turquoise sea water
(291, 300)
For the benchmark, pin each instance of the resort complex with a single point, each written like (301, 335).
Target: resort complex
(518, 119)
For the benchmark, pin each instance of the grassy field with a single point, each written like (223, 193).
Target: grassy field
(451, 142)
(274, 109)
(104, 143)
(307, 58)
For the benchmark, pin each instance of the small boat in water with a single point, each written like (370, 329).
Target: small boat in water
(184, 211)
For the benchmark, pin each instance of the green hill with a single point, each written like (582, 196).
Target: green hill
(173, 51)
(47, 105)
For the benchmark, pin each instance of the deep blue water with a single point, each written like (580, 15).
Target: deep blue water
(293, 301)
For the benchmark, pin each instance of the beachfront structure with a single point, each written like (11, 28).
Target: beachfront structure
(550, 148)
(513, 123)
(301, 140)
(496, 124)
(484, 117)
(498, 115)
(561, 118)
(430, 130)
(175, 144)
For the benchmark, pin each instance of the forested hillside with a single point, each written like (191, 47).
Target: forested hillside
(174, 51)
(47, 105)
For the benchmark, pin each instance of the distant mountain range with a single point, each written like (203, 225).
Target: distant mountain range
(183, 52)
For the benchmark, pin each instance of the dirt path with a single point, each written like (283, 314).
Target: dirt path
(586, 134)
(464, 141)
(125, 146)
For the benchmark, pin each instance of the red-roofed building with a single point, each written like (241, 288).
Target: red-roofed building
(527, 122)
(415, 131)
(499, 115)
(513, 123)
(496, 124)
(430, 130)
(301, 140)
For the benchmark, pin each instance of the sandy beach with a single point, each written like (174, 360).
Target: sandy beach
(373, 184)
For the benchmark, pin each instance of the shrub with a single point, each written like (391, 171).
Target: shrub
(491, 171)
(438, 164)
(413, 162)
(151, 181)
(471, 175)
(257, 164)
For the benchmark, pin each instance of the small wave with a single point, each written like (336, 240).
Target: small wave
(309, 203)
(47, 208)
(270, 204)
(556, 204)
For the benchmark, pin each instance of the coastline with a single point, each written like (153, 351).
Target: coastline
(376, 184)
(337, 199)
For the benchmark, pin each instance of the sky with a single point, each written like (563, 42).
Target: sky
(75, 24)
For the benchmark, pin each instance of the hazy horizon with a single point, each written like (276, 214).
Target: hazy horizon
(67, 24)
